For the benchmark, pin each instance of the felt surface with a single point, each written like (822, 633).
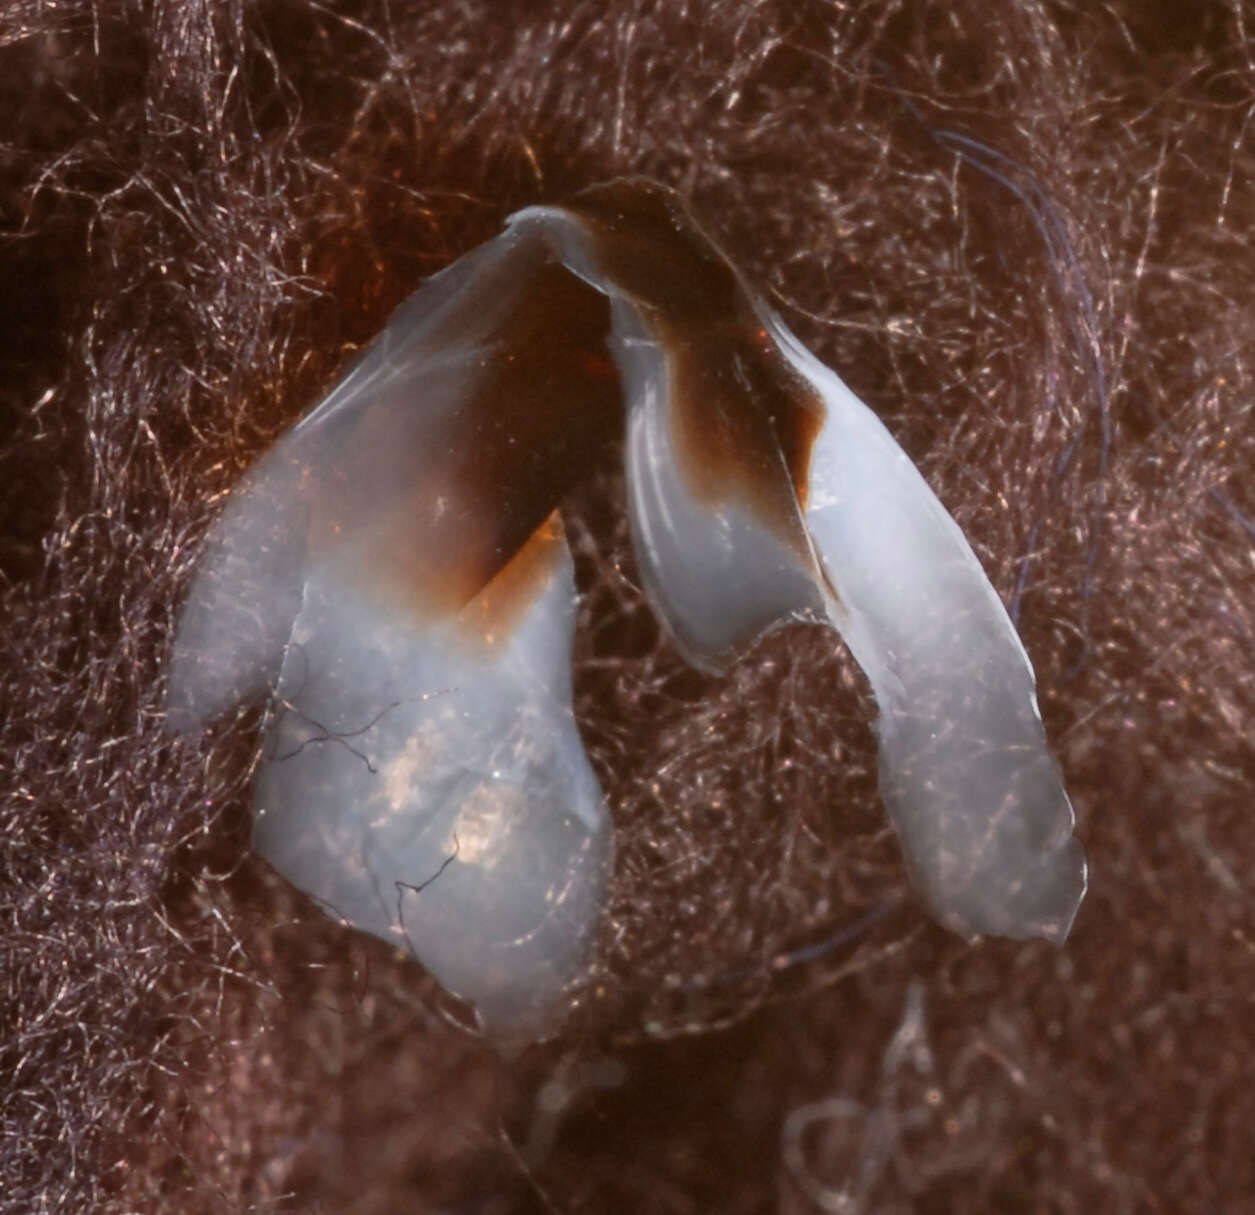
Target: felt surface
(1023, 238)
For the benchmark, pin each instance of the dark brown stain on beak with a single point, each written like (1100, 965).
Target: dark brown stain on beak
(738, 406)
(538, 407)
(430, 513)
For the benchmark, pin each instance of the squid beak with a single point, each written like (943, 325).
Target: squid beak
(395, 570)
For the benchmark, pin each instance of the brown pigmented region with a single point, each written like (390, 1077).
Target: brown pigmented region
(739, 409)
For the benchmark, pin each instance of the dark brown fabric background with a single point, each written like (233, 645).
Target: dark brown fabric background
(1021, 231)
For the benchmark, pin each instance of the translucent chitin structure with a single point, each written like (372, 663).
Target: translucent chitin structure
(394, 574)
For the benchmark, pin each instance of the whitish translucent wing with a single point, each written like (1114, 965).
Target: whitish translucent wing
(396, 560)
(965, 770)
(429, 785)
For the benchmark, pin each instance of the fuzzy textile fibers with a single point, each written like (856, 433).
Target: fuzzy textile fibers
(1023, 234)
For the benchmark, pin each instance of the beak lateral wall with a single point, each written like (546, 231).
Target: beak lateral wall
(395, 569)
